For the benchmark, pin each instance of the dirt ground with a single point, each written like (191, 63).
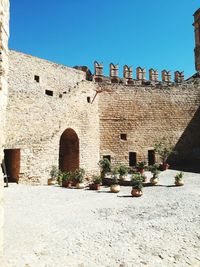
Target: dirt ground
(50, 226)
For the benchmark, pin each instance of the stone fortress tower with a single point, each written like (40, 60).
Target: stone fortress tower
(197, 39)
(4, 34)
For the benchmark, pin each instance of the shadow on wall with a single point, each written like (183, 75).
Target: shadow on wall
(188, 147)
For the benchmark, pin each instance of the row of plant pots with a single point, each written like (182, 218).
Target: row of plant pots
(138, 179)
(137, 183)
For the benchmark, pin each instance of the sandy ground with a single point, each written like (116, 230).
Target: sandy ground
(55, 227)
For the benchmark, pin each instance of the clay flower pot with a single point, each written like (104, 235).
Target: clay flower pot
(154, 181)
(164, 167)
(67, 184)
(51, 181)
(135, 192)
(80, 185)
(94, 186)
(115, 188)
(179, 182)
(122, 177)
(141, 170)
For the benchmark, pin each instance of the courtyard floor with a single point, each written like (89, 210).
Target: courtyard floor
(50, 226)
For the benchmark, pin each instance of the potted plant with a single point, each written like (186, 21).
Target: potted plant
(54, 175)
(137, 184)
(154, 169)
(141, 166)
(95, 185)
(105, 166)
(64, 179)
(122, 170)
(179, 179)
(78, 177)
(164, 149)
(115, 187)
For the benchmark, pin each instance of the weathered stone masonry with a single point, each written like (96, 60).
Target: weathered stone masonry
(36, 120)
(4, 34)
(146, 114)
(143, 111)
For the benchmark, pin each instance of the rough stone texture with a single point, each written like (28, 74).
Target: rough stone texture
(4, 34)
(147, 114)
(197, 39)
(36, 121)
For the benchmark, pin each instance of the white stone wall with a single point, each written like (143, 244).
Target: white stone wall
(4, 34)
(36, 121)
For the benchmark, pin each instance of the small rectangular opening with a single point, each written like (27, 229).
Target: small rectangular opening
(151, 157)
(88, 99)
(107, 157)
(37, 78)
(132, 159)
(123, 137)
(49, 92)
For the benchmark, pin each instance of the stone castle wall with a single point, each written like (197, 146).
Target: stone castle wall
(144, 111)
(4, 34)
(146, 114)
(36, 121)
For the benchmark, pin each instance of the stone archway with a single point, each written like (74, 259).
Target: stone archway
(69, 151)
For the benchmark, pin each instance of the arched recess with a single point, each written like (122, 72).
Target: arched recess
(69, 151)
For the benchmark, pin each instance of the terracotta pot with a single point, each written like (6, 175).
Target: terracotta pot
(141, 170)
(115, 188)
(94, 186)
(80, 185)
(154, 181)
(73, 183)
(51, 181)
(164, 167)
(122, 177)
(67, 184)
(136, 192)
(179, 183)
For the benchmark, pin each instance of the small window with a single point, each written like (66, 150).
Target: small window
(37, 78)
(107, 157)
(88, 99)
(132, 159)
(123, 137)
(49, 92)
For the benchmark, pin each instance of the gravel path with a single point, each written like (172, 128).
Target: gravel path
(57, 227)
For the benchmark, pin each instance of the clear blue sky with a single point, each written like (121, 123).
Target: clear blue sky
(144, 33)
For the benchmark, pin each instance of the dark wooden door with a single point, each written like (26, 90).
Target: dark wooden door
(151, 157)
(12, 163)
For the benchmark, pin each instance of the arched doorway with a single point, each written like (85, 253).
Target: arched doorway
(69, 151)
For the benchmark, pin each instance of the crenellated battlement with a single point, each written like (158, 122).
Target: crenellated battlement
(128, 78)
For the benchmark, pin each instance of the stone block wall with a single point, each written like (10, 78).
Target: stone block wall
(4, 34)
(146, 114)
(36, 119)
